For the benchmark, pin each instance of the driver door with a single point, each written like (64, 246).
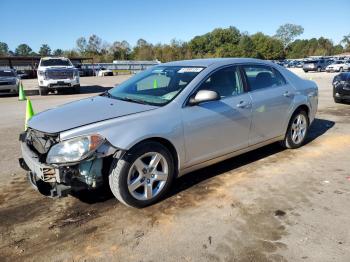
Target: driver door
(216, 128)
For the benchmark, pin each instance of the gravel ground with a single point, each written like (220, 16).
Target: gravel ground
(266, 205)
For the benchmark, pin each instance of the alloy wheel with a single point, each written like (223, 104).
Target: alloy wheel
(298, 130)
(147, 176)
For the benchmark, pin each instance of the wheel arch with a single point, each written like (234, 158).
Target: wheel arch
(300, 106)
(166, 143)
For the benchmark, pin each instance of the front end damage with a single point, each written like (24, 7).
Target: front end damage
(58, 180)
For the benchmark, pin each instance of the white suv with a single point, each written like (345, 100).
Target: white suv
(57, 73)
(338, 66)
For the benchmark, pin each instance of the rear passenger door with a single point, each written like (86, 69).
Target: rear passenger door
(272, 99)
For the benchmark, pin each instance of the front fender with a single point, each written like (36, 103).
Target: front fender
(125, 132)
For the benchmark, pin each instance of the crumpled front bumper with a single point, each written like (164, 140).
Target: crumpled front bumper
(43, 178)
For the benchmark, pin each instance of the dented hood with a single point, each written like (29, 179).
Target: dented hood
(84, 112)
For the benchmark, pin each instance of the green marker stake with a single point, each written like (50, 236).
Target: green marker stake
(155, 84)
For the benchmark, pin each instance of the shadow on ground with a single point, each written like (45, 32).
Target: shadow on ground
(317, 129)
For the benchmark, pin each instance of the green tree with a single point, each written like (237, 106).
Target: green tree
(288, 32)
(94, 44)
(57, 52)
(338, 49)
(4, 49)
(267, 47)
(246, 46)
(81, 44)
(23, 50)
(143, 50)
(120, 50)
(346, 42)
(44, 50)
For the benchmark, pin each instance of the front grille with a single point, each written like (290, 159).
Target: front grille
(40, 142)
(60, 74)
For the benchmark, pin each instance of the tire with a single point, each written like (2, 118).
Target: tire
(77, 89)
(337, 100)
(124, 172)
(306, 71)
(289, 141)
(43, 90)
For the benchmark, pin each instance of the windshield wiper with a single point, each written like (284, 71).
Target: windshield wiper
(135, 100)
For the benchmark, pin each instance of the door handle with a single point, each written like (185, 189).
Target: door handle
(243, 104)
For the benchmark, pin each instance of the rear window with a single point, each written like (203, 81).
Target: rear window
(260, 77)
(310, 62)
(6, 73)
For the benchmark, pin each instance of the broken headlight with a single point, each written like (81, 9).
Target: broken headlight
(74, 149)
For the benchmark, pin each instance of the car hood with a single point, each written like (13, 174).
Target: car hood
(84, 112)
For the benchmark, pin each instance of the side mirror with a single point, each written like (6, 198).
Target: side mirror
(204, 96)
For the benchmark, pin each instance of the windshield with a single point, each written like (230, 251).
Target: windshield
(156, 86)
(6, 73)
(56, 62)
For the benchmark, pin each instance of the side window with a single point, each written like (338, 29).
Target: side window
(226, 82)
(153, 81)
(260, 77)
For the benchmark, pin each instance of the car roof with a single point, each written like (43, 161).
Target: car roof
(214, 61)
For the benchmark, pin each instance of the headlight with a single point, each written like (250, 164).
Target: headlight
(74, 149)
(43, 74)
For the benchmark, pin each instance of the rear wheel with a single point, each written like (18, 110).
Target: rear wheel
(43, 91)
(297, 130)
(143, 175)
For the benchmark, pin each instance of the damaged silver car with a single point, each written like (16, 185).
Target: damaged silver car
(165, 122)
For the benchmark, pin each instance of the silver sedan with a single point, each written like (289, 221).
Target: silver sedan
(9, 81)
(165, 122)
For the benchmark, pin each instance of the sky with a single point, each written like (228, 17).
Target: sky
(59, 23)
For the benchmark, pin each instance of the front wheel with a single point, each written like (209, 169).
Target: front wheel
(297, 130)
(77, 89)
(143, 175)
(337, 100)
(43, 91)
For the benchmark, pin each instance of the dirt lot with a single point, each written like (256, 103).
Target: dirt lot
(267, 205)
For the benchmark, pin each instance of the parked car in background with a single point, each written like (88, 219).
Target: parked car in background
(9, 81)
(162, 123)
(57, 73)
(22, 74)
(341, 87)
(315, 65)
(104, 72)
(338, 66)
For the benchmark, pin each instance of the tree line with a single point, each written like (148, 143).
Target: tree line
(221, 42)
